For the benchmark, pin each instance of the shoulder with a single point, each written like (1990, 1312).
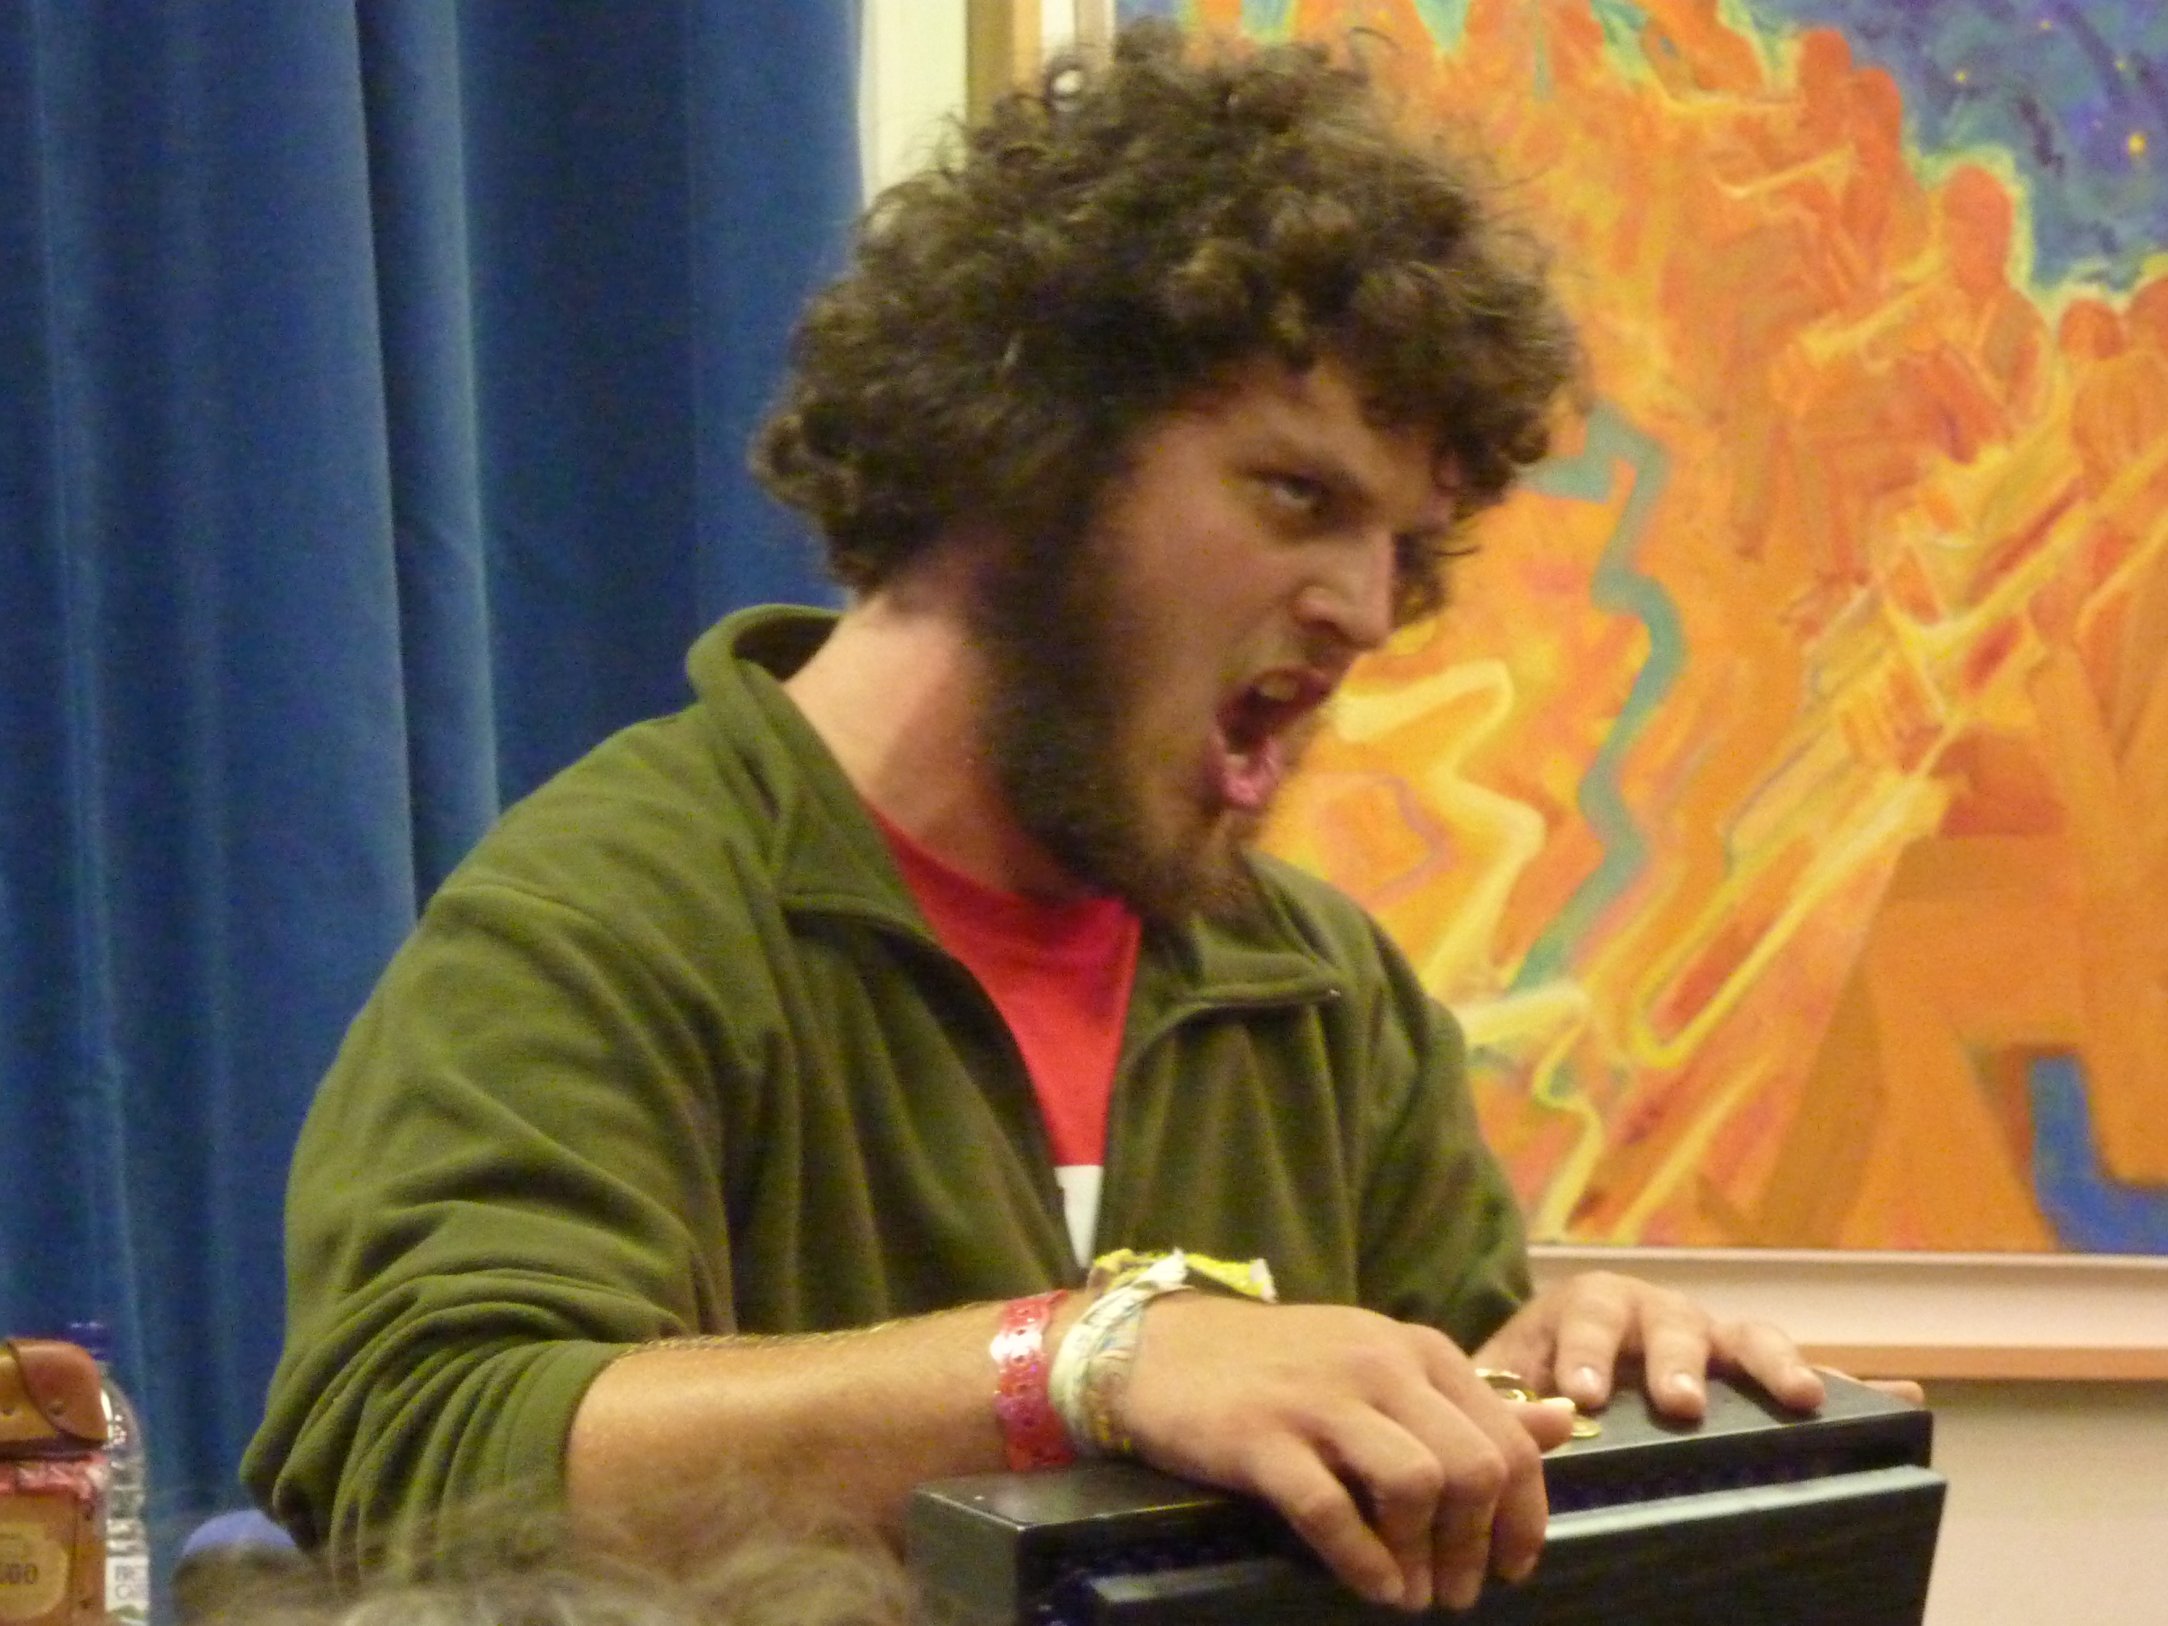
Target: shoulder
(669, 818)
(1321, 919)
(624, 829)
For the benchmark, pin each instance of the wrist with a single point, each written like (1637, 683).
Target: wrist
(1033, 1433)
(1089, 1381)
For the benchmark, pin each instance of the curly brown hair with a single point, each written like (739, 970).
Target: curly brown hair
(1115, 243)
(718, 1552)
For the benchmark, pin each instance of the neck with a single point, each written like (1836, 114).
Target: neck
(899, 694)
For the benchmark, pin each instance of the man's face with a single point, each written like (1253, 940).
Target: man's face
(1153, 680)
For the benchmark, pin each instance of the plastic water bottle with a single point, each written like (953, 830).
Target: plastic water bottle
(127, 1530)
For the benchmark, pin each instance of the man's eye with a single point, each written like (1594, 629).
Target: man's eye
(1297, 493)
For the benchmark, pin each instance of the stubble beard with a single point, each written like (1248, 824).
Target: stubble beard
(1055, 626)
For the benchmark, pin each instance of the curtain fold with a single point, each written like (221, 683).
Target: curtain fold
(376, 380)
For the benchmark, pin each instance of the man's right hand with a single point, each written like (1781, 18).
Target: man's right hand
(1375, 1439)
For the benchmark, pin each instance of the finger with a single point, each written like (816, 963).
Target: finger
(1678, 1388)
(1595, 1314)
(1473, 1452)
(1321, 1511)
(1519, 1512)
(1400, 1472)
(1681, 1345)
(1525, 1345)
(1459, 1512)
(1462, 1540)
(1767, 1355)
(1549, 1421)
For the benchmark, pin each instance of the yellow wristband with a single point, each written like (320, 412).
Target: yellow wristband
(1246, 1278)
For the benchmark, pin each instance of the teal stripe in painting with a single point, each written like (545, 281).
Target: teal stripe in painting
(1619, 585)
(1446, 21)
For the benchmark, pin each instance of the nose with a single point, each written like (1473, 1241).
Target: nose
(1352, 591)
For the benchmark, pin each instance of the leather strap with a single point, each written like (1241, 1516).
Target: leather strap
(50, 1397)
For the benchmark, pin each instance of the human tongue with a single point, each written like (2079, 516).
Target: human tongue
(1249, 776)
(1253, 730)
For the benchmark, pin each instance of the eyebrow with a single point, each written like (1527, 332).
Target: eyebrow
(1276, 443)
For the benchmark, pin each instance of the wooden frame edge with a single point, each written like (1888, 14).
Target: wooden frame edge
(1001, 49)
(2018, 1363)
(1959, 1317)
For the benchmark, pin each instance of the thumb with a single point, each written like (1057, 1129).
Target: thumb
(1549, 1422)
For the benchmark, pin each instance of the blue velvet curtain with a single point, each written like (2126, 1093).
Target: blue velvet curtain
(376, 382)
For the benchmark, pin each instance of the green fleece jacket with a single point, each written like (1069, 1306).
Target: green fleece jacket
(674, 1052)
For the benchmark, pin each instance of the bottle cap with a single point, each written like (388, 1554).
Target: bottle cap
(92, 1335)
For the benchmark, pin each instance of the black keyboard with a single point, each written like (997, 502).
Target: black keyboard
(1753, 1517)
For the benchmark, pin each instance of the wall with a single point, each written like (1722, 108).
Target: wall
(2058, 1507)
(911, 80)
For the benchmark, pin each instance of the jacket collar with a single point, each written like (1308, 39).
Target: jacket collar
(827, 857)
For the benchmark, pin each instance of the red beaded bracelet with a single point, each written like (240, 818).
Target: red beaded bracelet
(1031, 1430)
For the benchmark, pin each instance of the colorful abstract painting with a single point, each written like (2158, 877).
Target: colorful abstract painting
(1783, 800)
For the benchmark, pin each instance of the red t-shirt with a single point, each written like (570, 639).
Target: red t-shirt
(1060, 974)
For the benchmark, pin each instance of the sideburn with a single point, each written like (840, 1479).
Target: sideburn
(1055, 718)
(1054, 627)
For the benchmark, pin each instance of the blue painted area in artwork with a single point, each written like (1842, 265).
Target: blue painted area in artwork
(2074, 92)
(2091, 1213)
(1621, 587)
(1261, 19)
(2061, 86)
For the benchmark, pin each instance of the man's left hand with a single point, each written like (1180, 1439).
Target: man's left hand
(1570, 1338)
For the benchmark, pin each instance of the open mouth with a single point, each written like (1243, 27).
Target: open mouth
(1254, 727)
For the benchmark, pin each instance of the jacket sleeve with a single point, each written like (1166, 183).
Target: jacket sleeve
(509, 1176)
(1443, 1238)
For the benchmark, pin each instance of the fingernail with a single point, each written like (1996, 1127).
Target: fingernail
(1558, 1402)
(1586, 1379)
(1686, 1386)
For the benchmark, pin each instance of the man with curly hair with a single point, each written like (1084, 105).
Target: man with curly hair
(761, 1087)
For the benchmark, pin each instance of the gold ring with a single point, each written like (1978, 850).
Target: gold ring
(1511, 1385)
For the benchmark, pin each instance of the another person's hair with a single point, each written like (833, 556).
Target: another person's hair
(1116, 243)
(715, 1556)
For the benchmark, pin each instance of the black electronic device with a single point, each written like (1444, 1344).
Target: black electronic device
(1753, 1517)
